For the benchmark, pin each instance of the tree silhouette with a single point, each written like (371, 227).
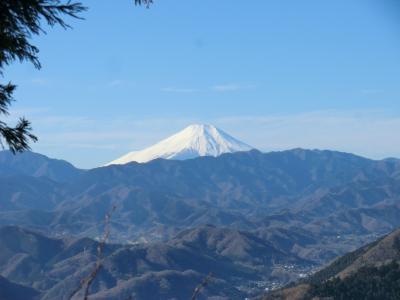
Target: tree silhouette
(19, 21)
(144, 2)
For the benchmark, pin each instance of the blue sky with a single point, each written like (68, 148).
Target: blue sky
(277, 74)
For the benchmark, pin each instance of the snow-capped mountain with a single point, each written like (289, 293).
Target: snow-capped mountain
(193, 141)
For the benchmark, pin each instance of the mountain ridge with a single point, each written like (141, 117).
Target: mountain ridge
(233, 257)
(37, 165)
(288, 207)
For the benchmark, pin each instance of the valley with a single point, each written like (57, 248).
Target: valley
(256, 221)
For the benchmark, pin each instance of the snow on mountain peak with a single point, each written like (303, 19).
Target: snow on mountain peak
(193, 141)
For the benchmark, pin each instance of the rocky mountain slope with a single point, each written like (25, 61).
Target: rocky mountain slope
(370, 272)
(52, 268)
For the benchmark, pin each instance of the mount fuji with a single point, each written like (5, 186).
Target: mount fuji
(193, 141)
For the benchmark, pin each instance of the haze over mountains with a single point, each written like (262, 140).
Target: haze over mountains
(193, 141)
(287, 212)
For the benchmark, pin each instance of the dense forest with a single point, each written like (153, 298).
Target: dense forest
(369, 283)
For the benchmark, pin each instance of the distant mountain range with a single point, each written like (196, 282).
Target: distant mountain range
(194, 141)
(288, 212)
(37, 166)
(324, 192)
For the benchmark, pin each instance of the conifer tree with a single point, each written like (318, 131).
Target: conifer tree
(20, 20)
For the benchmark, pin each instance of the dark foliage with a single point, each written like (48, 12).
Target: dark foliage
(19, 21)
(369, 283)
(339, 264)
(17, 137)
(144, 2)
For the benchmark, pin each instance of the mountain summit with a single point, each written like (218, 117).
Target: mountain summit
(193, 141)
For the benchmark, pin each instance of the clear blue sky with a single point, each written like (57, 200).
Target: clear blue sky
(275, 73)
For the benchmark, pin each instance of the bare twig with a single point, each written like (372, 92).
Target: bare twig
(88, 280)
(197, 291)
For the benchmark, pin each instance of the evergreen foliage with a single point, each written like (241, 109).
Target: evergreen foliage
(19, 21)
(368, 283)
(339, 265)
(144, 2)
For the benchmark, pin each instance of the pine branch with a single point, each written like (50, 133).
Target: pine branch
(6, 98)
(144, 2)
(17, 138)
(21, 19)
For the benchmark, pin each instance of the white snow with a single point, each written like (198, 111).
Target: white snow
(193, 141)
